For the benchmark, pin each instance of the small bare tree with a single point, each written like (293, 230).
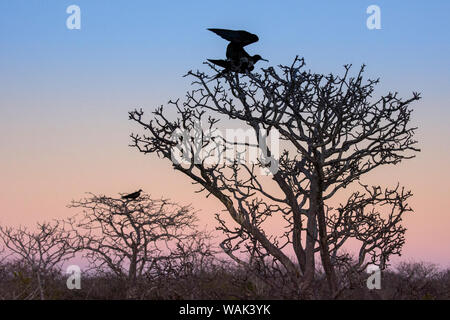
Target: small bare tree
(418, 280)
(332, 131)
(136, 238)
(43, 251)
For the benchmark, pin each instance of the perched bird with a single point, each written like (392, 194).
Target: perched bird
(243, 65)
(132, 196)
(238, 60)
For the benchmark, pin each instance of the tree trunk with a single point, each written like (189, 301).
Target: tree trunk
(318, 207)
(131, 285)
(310, 263)
(41, 289)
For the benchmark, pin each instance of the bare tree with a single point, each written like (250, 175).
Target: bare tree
(332, 130)
(418, 280)
(136, 238)
(43, 250)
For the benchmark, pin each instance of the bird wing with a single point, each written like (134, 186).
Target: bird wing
(240, 37)
(235, 52)
(221, 63)
(130, 195)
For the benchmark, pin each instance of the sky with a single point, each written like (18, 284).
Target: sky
(65, 94)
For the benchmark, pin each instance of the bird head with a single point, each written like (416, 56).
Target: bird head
(257, 57)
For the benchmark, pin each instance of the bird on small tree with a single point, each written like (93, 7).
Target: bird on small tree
(132, 196)
(238, 60)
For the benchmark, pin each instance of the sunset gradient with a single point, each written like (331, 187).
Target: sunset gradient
(65, 94)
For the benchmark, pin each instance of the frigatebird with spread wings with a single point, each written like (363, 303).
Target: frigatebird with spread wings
(238, 60)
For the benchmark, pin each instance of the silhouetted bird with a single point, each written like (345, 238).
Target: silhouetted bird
(238, 60)
(132, 196)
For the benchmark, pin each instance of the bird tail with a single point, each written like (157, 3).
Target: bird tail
(221, 63)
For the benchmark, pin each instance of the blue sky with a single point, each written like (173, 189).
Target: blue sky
(166, 38)
(133, 53)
